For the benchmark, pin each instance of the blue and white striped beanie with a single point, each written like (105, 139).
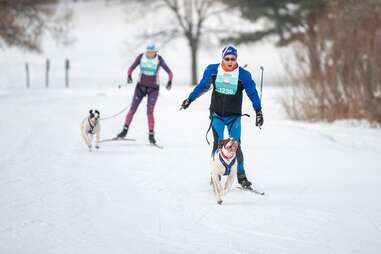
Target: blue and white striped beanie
(229, 50)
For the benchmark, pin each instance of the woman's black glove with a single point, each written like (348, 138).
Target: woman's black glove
(129, 79)
(169, 85)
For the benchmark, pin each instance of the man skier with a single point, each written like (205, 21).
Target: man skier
(148, 84)
(228, 80)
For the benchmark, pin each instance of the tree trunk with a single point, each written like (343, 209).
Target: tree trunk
(194, 50)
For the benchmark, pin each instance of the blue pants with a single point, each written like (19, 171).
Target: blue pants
(233, 124)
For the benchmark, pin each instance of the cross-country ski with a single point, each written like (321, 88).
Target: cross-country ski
(251, 189)
(116, 139)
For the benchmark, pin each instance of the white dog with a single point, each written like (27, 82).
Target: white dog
(91, 126)
(224, 162)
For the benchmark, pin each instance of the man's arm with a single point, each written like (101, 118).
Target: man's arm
(250, 89)
(205, 82)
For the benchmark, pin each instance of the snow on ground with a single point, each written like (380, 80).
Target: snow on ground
(322, 181)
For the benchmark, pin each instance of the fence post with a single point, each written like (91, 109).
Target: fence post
(27, 75)
(47, 73)
(67, 67)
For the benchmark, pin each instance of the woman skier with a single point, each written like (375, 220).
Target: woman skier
(148, 84)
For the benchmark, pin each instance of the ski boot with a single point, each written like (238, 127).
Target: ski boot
(242, 180)
(151, 138)
(123, 133)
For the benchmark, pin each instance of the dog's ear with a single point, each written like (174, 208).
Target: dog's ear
(222, 143)
(236, 142)
(96, 114)
(91, 113)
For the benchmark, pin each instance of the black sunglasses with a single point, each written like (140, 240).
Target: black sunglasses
(227, 59)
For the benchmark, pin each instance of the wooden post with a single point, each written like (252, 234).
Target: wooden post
(67, 67)
(47, 73)
(27, 75)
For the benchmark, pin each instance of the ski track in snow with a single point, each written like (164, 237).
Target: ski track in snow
(321, 181)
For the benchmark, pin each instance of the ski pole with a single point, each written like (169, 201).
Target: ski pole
(261, 81)
(261, 87)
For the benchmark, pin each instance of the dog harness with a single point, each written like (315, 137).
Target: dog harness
(229, 166)
(92, 127)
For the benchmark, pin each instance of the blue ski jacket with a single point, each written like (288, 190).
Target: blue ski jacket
(227, 104)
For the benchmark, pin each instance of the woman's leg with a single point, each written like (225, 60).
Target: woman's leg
(140, 92)
(153, 94)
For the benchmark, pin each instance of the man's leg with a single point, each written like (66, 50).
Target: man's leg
(218, 127)
(218, 135)
(234, 128)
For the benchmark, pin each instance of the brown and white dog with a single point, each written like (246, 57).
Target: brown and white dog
(224, 162)
(91, 126)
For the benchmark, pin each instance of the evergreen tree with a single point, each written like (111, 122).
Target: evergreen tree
(288, 20)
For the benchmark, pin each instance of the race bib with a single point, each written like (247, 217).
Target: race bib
(226, 82)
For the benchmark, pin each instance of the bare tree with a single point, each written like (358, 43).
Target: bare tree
(23, 23)
(191, 22)
(346, 82)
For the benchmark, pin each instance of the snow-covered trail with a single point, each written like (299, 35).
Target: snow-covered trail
(322, 181)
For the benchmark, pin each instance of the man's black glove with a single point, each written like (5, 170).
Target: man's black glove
(129, 79)
(169, 85)
(258, 118)
(185, 104)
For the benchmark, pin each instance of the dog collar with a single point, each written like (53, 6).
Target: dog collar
(229, 166)
(224, 156)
